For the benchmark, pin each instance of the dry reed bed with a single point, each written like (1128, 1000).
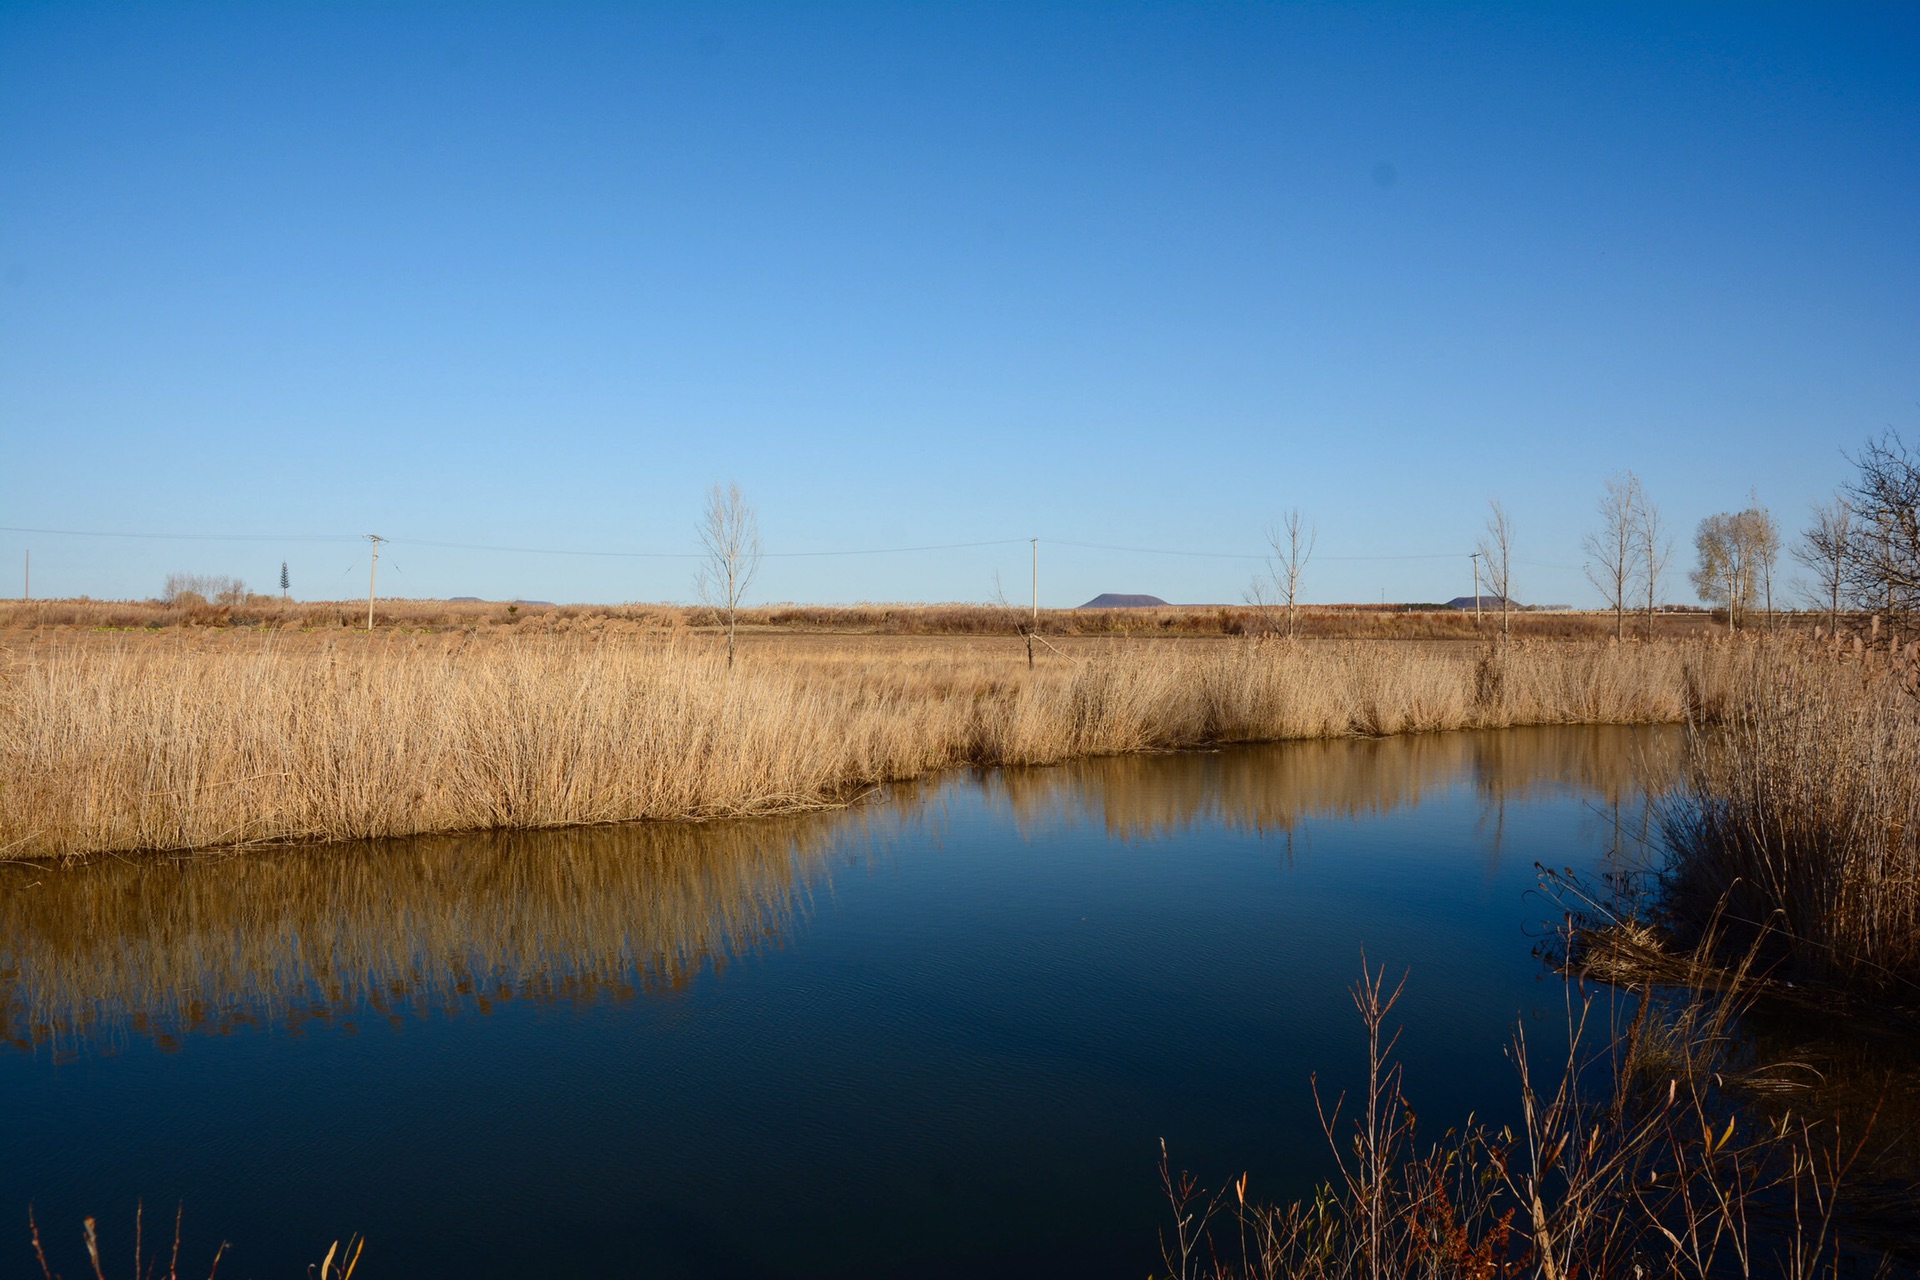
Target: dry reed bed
(1800, 829)
(137, 746)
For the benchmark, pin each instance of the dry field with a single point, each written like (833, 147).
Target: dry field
(197, 737)
(1347, 622)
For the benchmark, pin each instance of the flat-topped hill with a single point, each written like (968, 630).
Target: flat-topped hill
(1112, 600)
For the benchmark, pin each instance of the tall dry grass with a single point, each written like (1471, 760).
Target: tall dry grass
(1631, 1159)
(143, 744)
(1800, 824)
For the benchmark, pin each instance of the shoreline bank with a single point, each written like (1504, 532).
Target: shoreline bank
(123, 748)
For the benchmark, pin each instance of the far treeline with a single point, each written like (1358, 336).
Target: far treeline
(1862, 547)
(1861, 550)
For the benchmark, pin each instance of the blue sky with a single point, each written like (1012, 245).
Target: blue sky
(1133, 275)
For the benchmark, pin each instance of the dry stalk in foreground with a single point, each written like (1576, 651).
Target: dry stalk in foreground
(1616, 1169)
(337, 1265)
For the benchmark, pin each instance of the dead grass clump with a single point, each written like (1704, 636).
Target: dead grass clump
(1802, 816)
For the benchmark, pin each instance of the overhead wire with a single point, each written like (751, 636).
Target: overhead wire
(700, 555)
(494, 548)
(186, 537)
(1238, 555)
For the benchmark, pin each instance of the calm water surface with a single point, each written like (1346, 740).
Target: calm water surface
(939, 1035)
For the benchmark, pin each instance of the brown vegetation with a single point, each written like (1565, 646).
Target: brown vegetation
(1634, 1160)
(156, 742)
(339, 1263)
(1799, 827)
(113, 951)
(1345, 622)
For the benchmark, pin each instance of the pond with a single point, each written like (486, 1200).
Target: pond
(940, 1033)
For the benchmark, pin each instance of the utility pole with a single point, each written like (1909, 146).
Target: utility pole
(1036, 581)
(26, 585)
(373, 576)
(1035, 624)
(1476, 590)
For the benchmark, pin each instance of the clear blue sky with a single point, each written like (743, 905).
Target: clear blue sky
(536, 275)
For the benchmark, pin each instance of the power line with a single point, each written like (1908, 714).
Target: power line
(1154, 551)
(553, 551)
(480, 546)
(1235, 555)
(499, 549)
(887, 551)
(700, 555)
(188, 537)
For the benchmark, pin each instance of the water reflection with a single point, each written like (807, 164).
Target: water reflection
(161, 948)
(119, 950)
(1274, 789)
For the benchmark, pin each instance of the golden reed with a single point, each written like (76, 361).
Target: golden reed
(146, 743)
(1801, 827)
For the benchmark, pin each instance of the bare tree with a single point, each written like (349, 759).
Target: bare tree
(1884, 570)
(1023, 622)
(1292, 543)
(1615, 565)
(1655, 550)
(730, 535)
(201, 588)
(1826, 549)
(1265, 599)
(1496, 548)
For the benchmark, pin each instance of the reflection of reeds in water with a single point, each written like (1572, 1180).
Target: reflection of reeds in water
(1275, 788)
(160, 948)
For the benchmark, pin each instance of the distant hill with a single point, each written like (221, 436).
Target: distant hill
(1111, 600)
(463, 599)
(1486, 602)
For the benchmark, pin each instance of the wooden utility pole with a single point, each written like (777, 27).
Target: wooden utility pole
(1036, 581)
(1035, 624)
(373, 575)
(26, 584)
(1476, 590)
